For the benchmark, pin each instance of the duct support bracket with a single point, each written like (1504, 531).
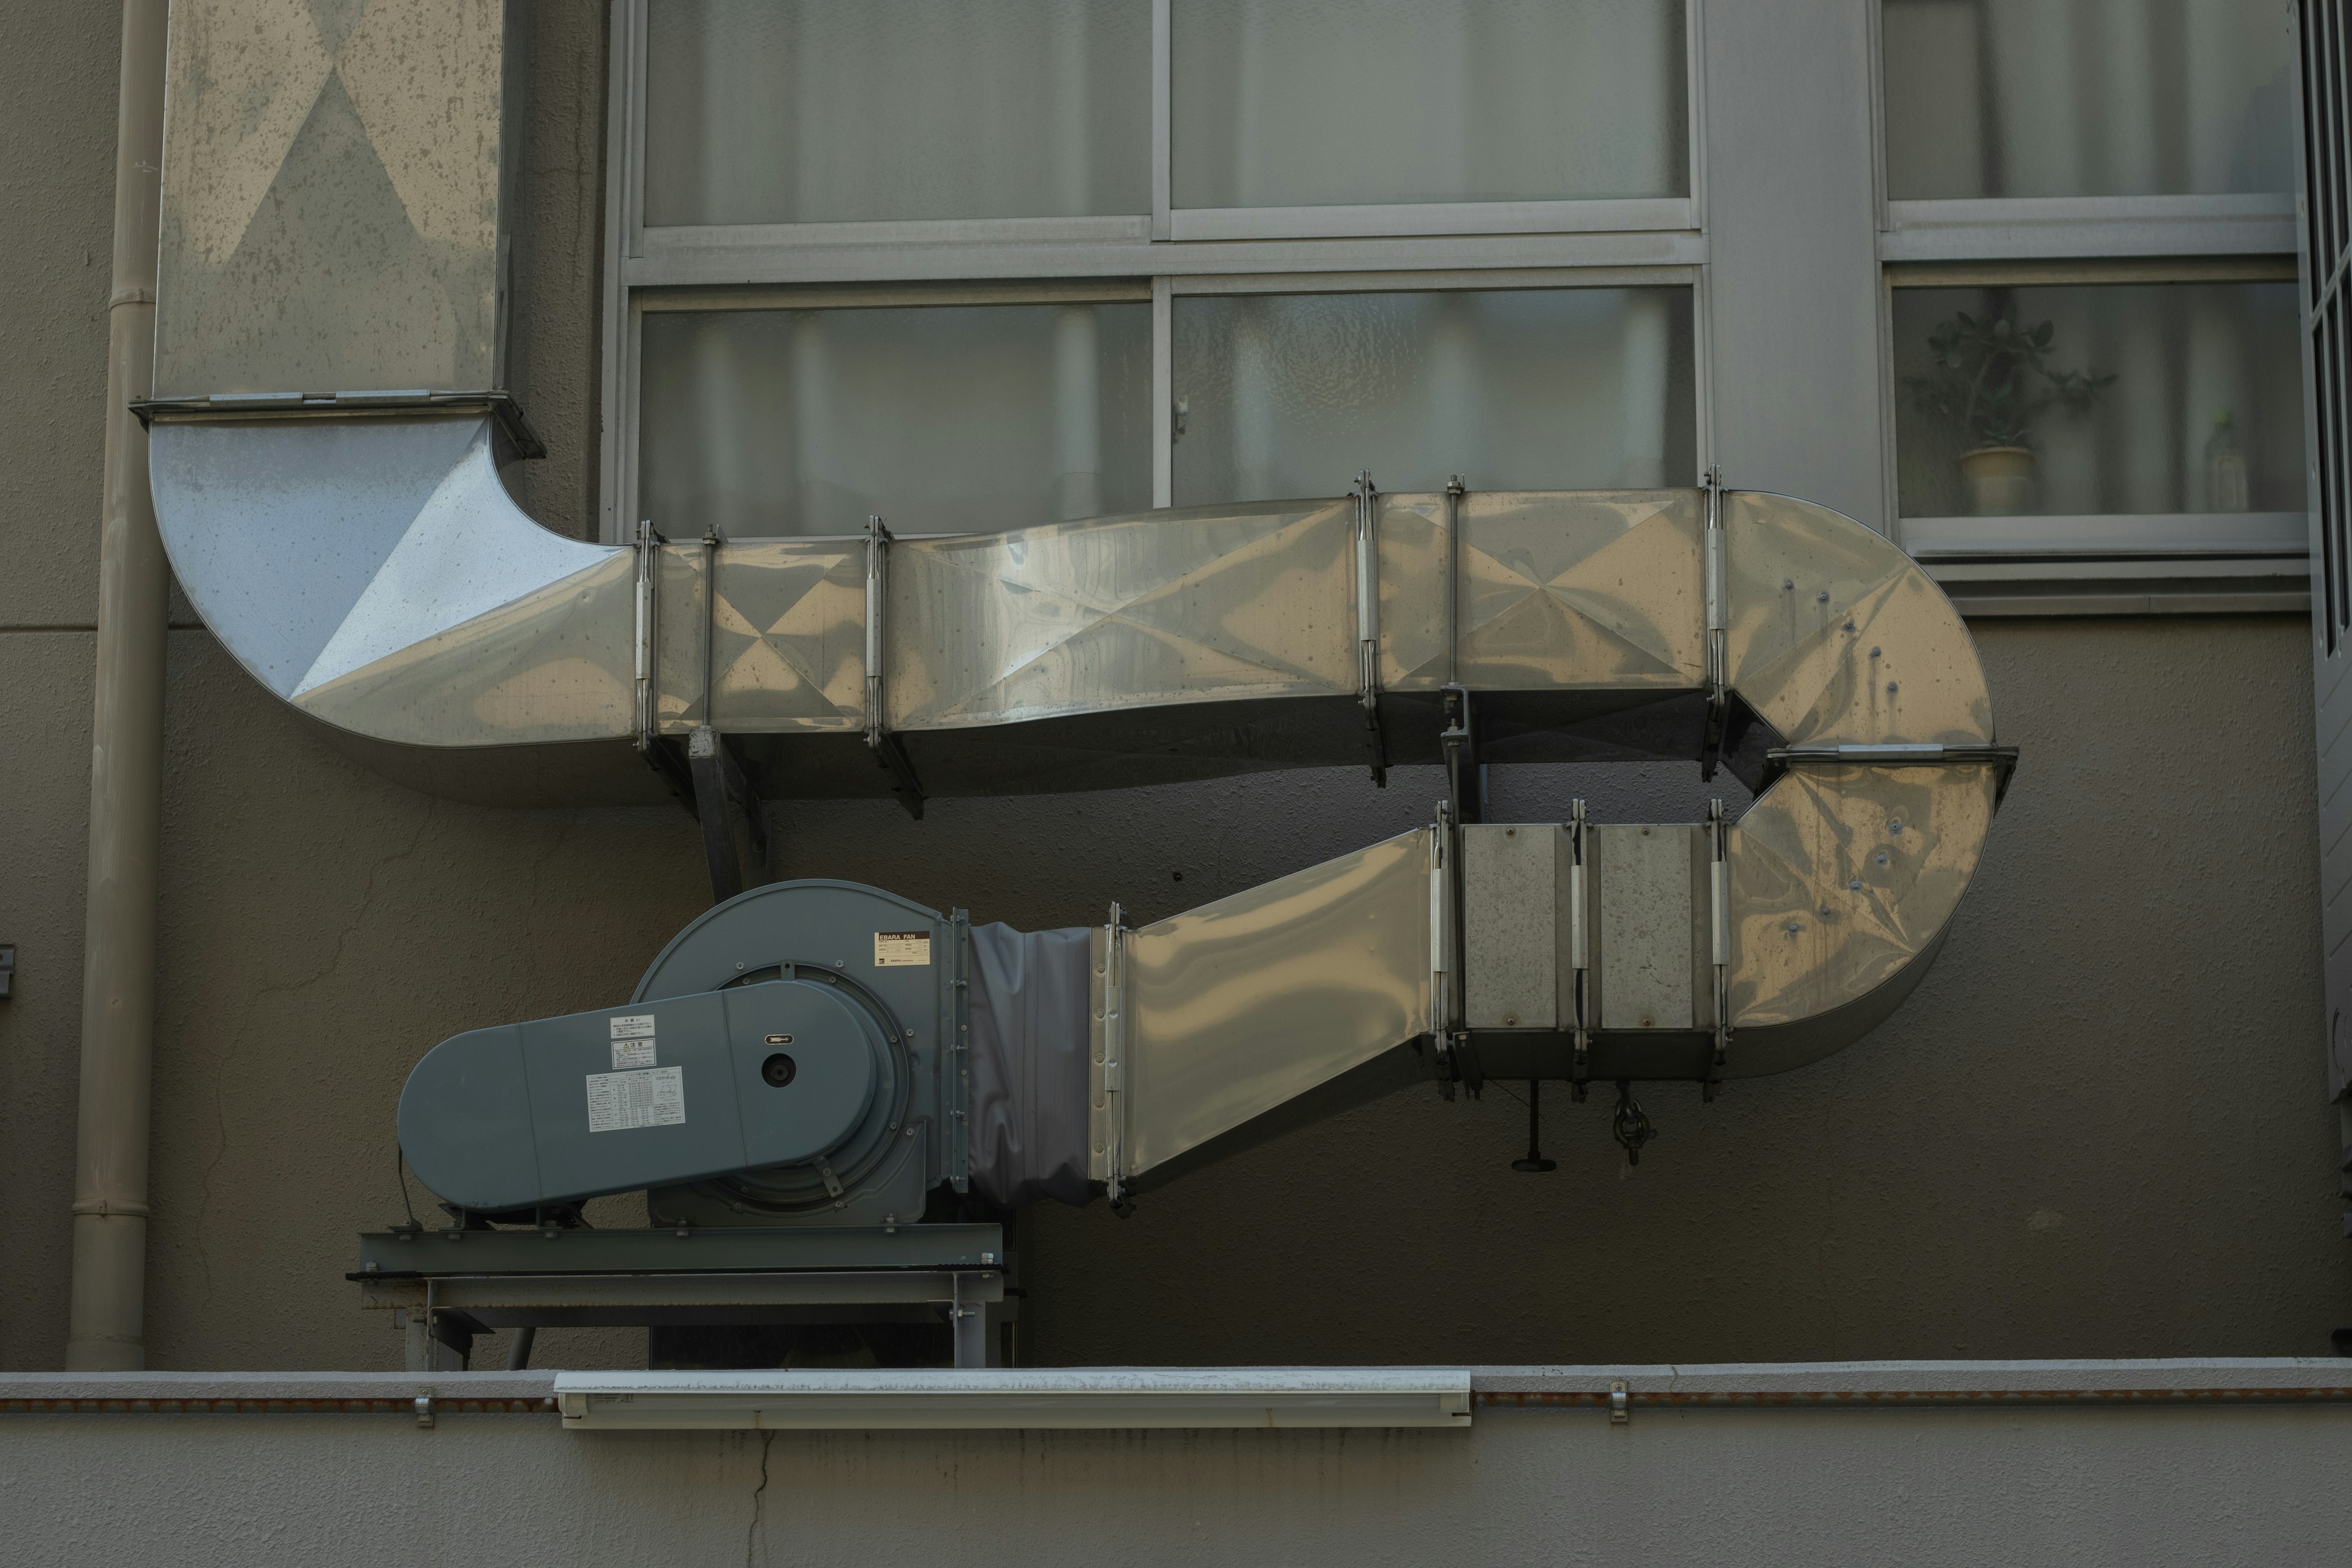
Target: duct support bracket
(1718, 929)
(718, 776)
(958, 1065)
(890, 753)
(1111, 1088)
(1444, 957)
(720, 783)
(1718, 658)
(648, 564)
(1368, 621)
(251, 405)
(1579, 961)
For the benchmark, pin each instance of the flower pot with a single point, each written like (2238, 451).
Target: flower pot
(2000, 479)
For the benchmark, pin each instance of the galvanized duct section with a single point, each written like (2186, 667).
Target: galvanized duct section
(1533, 951)
(375, 574)
(328, 423)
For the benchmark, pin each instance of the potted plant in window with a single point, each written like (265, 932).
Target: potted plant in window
(1989, 379)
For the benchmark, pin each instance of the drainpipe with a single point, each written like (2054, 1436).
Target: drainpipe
(107, 1328)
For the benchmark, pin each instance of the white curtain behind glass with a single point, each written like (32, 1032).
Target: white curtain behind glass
(1324, 102)
(2087, 98)
(764, 112)
(941, 419)
(1290, 394)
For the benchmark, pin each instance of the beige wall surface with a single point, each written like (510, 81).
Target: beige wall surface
(2099, 1128)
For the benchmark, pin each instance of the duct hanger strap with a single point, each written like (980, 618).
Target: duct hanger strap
(244, 406)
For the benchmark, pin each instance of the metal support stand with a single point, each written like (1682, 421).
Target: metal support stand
(1535, 1160)
(1580, 950)
(447, 1288)
(1718, 834)
(704, 762)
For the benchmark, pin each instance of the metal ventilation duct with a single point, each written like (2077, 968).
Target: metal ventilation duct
(327, 225)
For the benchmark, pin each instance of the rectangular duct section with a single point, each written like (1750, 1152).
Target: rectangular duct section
(1211, 1019)
(336, 206)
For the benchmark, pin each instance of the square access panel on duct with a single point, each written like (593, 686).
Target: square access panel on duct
(330, 226)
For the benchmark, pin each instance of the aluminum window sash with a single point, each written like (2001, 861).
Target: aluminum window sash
(688, 265)
(2170, 270)
(629, 31)
(624, 460)
(1163, 394)
(2184, 535)
(1695, 108)
(1386, 282)
(677, 237)
(1162, 98)
(1403, 218)
(625, 147)
(2092, 226)
(852, 296)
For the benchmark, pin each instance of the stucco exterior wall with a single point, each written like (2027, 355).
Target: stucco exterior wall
(2097, 1128)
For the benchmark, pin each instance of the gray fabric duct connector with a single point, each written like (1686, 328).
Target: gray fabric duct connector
(1029, 998)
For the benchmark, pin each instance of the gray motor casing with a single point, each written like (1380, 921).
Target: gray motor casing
(810, 1053)
(524, 1114)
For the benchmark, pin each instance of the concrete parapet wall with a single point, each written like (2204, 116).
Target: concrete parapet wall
(2256, 1478)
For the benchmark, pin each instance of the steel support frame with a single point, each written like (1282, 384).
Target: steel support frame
(442, 1315)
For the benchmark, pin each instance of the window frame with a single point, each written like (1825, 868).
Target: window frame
(2107, 563)
(1601, 243)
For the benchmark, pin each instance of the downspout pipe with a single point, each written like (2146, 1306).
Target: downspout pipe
(107, 1330)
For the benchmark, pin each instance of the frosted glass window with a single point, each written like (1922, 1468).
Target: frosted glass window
(844, 110)
(1346, 102)
(2087, 98)
(2200, 409)
(1282, 396)
(942, 419)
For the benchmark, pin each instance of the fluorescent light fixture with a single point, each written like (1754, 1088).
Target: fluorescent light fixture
(1089, 1397)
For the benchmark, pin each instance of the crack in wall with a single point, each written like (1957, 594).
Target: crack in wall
(759, 1496)
(226, 1061)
